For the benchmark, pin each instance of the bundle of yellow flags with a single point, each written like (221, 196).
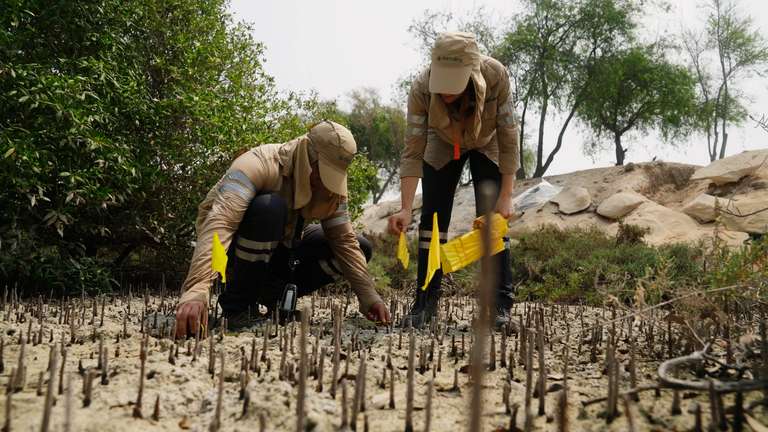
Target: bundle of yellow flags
(468, 248)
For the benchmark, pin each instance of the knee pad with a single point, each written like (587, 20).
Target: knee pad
(366, 247)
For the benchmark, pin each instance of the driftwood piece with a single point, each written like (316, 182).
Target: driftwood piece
(667, 367)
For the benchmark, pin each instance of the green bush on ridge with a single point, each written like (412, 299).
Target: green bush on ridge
(588, 266)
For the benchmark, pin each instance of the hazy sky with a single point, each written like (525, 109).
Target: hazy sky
(334, 47)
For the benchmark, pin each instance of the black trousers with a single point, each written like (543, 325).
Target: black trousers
(257, 269)
(438, 189)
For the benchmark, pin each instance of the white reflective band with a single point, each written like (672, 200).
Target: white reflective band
(257, 245)
(424, 244)
(428, 234)
(252, 257)
(335, 221)
(240, 177)
(507, 107)
(328, 270)
(238, 189)
(413, 118)
(342, 207)
(505, 120)
(415, 131)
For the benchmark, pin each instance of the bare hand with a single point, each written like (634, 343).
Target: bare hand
(399, 221)
(379, 314)
(504, 207)
(190, 317)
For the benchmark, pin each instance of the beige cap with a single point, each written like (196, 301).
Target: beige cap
(335, 147)
(454, 56)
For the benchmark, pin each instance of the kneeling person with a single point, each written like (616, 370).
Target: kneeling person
(257, 207)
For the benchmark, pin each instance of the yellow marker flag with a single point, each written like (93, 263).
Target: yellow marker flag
(219, 257)
(433, 261)
(402, 251)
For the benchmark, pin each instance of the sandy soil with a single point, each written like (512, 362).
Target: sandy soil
(188, 393)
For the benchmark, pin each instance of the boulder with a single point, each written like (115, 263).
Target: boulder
(572, 200)
(376, 217)
(665, 225)
(747, 213)
(702, 208)
(548, 215)
(733, 168)
(620, 204)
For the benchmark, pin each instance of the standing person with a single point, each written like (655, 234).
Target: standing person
(257, 208)
(459, 109)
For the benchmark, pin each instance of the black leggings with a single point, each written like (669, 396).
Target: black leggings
(438, 189)
(257, 268)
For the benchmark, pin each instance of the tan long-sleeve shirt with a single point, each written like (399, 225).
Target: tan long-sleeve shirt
(270, 168)
(492, 130)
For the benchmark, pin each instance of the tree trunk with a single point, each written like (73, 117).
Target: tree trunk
(620, 151)
(540, 144)
(377, 196)
(521, 174)
(724, 142)
(715, 141)
(724, 134)
(559, 144)
(723, 33)
(124, 254)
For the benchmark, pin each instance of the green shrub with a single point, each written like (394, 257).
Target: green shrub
(387, 271)
(115, 120)
(587, 265)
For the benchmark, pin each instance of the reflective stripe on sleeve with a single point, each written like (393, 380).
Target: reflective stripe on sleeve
(335, 221)
(237, 188)
(327, 269)
(506, 108)
(418, 119)
(415, 131)
(240, 177)
(505, 120)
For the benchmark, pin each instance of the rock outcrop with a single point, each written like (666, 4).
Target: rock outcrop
(733, 168)
(671, 206)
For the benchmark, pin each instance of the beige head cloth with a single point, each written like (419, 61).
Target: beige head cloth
(294, 159)
(454, 57)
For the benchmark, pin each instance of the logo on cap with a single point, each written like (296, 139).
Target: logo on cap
(455, 59)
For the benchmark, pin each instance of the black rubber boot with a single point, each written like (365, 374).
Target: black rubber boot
(423, 309)
(246, 320)
(502, 317)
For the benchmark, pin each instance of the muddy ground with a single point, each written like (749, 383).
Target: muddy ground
(187, 392)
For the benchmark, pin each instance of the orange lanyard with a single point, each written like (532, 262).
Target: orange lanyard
(456, 142)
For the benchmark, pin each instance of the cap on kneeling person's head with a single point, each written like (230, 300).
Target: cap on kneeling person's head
(455, 56)
(333, 146)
